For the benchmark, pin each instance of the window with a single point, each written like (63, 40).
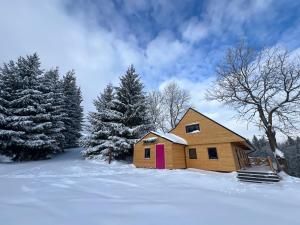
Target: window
(192, 153)
(147, 153)
(212, 153)
(192, 128)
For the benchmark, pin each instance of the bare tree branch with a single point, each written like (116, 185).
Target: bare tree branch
(263, 86)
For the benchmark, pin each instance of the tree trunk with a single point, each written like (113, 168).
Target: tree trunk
(273, 145)
(272, 139)
(109, 156)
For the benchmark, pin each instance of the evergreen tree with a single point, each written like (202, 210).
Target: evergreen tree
(9, 138)
(51, 86)
(263, 142)
(73, 110)
(298, 143)
(134, 122)
(102, 122)
(255, 142)
(28, 116)
(290, 141)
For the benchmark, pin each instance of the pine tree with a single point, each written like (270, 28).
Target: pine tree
(133, 123)
(73, 110)
(51, 86)
(28, 115)
(98, 143)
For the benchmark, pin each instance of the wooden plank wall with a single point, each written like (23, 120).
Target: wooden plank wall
(241, 156)
(210, 132)
(173, 153)
(179, 161)
(225, 162)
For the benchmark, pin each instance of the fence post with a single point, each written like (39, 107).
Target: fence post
(271, 163)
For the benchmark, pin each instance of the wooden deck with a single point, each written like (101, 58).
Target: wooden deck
(261, 170)
(264, 169)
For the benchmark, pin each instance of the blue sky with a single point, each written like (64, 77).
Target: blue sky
(166, 40)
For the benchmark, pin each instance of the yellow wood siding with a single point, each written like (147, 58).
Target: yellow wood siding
(241, 156)
(178, 157)
(173, 153)
(210, 132)
(225, 161)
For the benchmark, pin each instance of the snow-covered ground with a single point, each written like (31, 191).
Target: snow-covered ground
(68, 190)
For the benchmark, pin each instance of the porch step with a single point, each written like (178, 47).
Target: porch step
(257, 177)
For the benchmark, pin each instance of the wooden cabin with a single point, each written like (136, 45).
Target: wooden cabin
(196, 142)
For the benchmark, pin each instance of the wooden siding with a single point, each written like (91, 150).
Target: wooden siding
(225, 162)
(174, 154)
(178, 154)
(240, 156)
(210, 131)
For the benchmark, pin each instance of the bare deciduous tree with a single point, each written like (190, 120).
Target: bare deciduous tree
(263, 86)
(168, 106)
(155, 109)
(176, 101)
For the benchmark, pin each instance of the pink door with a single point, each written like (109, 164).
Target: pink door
(160, 156)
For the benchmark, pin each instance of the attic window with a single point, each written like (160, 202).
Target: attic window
(192, 128)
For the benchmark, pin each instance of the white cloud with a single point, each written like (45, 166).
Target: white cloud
(230, 16)
(195, 30)
(164, 49)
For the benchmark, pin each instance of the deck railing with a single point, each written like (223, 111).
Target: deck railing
(262, 161)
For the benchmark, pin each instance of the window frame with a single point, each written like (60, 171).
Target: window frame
(190, 125)
(193, 149)
(209, 155)
(145, 150)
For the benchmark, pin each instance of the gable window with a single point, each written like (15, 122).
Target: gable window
(212, 153)
(193, 128)
(147, 153)
(192, 153)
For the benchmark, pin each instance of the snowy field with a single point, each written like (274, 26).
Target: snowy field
(69, 190)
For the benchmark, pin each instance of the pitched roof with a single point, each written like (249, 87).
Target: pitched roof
(171, 137)
(168, 136)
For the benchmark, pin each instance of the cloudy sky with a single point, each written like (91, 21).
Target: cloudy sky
(165, 40)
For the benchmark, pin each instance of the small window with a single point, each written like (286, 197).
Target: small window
(147, 153)
(212, 153)
(192, 128)
(192, 153)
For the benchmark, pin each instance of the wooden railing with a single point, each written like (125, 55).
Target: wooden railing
(262, 161)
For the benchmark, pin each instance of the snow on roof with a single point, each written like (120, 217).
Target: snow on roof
(150, 139)
(279, 153)
(171, 137)
(189, 124)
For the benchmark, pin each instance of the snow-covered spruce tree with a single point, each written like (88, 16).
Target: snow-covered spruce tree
(98, 143)
(27, 114)
(73, 110)
(9, 138)
(134, 121)
(51, 86)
